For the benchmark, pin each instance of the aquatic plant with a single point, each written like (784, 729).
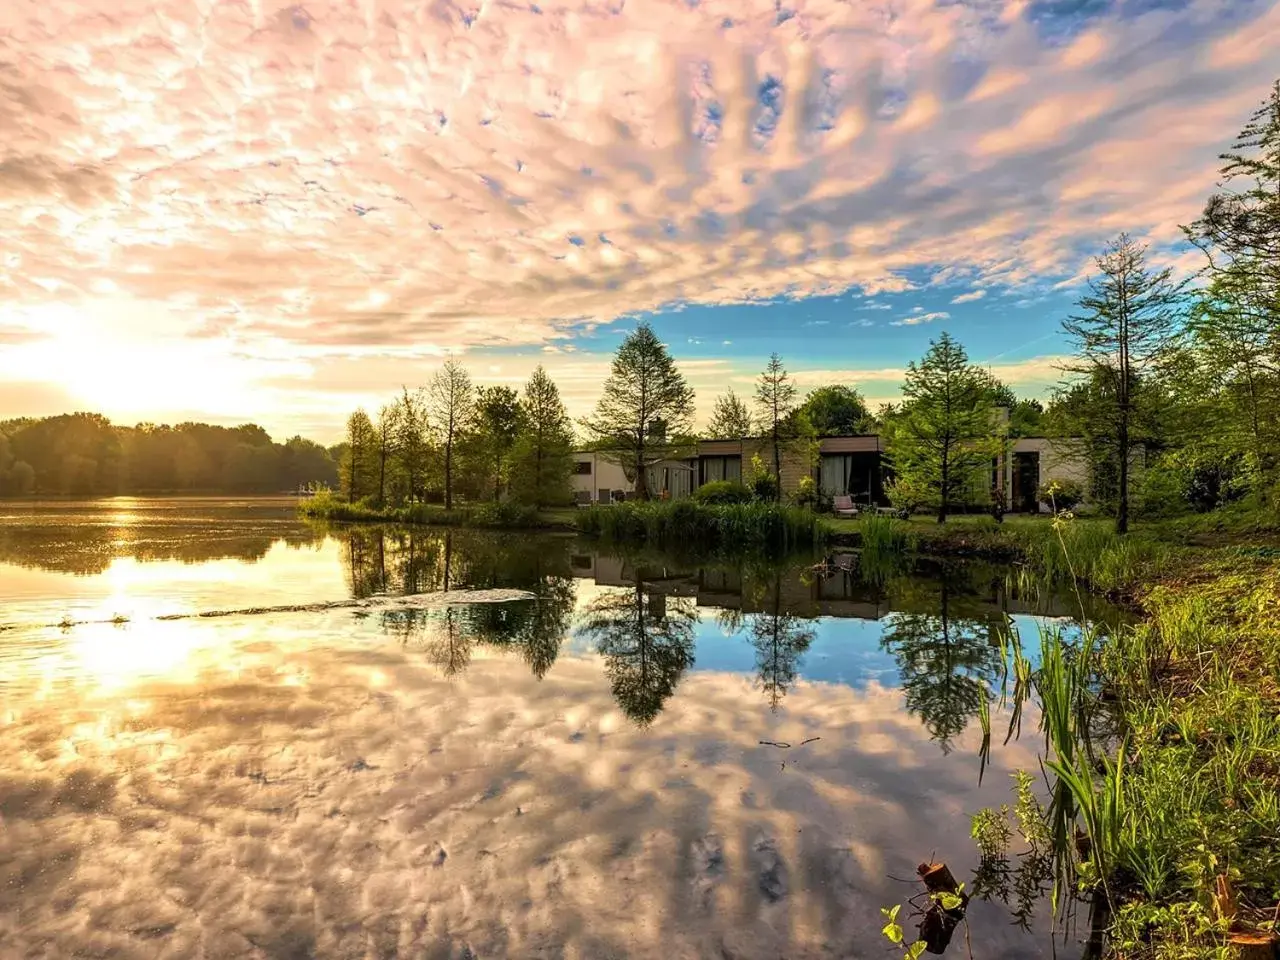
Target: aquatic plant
(685, 523)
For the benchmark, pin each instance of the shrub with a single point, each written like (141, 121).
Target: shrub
(506, 514)
(806, 494)
(906, 496)
(1060, 495)
(686, 523)
(723, 491)
(763, 484)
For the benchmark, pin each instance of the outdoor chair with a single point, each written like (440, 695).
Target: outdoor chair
(843, 506)
(582, 498)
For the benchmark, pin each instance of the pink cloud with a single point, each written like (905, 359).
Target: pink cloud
(346, 176)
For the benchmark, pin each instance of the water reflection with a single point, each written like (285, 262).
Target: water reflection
(646, 639)
(580, 774)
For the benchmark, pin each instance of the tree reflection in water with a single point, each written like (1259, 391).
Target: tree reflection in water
(780, 639)
(647, 640)
(948, 661)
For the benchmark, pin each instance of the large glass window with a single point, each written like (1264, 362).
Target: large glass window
(713, 469)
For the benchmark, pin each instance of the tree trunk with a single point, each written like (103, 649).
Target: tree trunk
(642, 477)
(382, 474)
(1122, 508)
(945, 487)
(448, 473)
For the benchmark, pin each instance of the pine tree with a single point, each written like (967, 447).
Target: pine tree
(646, 403)
(776, 400)
(1125, 330)
(542, 460)
(358, 471)
(946, 434)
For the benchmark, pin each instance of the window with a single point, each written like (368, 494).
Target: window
(720, 468)
(582, 468)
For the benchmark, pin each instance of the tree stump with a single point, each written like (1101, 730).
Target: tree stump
(1252, 945)
(938, 925)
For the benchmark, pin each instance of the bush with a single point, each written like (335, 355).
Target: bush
(764, 487)
(723, 491)
(507, 514)
(1060, 495)
(907, 497)
(806, 494)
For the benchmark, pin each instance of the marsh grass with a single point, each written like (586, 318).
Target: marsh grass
(324, 505)
(1162, 750)
(768, 527)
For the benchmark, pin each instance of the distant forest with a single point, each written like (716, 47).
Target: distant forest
(84, 454)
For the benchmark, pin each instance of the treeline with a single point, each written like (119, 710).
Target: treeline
(84, 454)
(451, 440)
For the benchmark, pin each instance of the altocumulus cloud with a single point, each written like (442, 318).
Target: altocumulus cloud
(387, 172)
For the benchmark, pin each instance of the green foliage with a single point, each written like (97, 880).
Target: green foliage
(944, 439)
(765, 527)
(761, 480)
(723, 491)
(85, 454)
(542, 461)
(806, 494)
(1061, 495)
(645, 403)
(836, 411)
(775, 405)
(730, 419)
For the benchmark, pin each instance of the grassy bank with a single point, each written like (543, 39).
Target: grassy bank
(764, 527)
(1162, 744)
(326, 506)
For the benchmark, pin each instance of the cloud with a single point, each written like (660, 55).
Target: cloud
(918, 316)
(353, 176)
(969, 297)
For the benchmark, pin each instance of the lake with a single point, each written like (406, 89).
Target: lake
(227, 733)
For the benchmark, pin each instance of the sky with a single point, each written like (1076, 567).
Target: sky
(277, 212)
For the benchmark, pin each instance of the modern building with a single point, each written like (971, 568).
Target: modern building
(854, 466)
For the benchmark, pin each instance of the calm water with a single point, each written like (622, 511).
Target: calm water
(344, 763)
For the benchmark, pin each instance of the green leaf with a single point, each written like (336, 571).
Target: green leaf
(892, 931)
(950, 901)
(891, 914)
(914, 951)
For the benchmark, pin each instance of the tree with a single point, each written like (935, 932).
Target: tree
(412, 441)
(646, 400)
(498, 423)
(730, 419)
(1125, 330)
(542, 459)
(836, 411)
(775, 399)
(945, 435)
(387, 430)
(452, 402)
(357, 471)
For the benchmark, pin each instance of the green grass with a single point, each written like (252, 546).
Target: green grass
(1162, 745)
(766, 527)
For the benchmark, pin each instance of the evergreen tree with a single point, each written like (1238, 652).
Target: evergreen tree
(542, 459)
(945, 435)
(646, 401)
(1125, 329)
(775, 399)
(730, 419)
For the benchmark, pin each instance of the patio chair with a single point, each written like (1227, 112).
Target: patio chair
(582, 498)
(843, 506)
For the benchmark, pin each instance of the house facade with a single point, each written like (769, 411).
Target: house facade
(854, 466)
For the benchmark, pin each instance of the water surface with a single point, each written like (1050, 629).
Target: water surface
(575, 774)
